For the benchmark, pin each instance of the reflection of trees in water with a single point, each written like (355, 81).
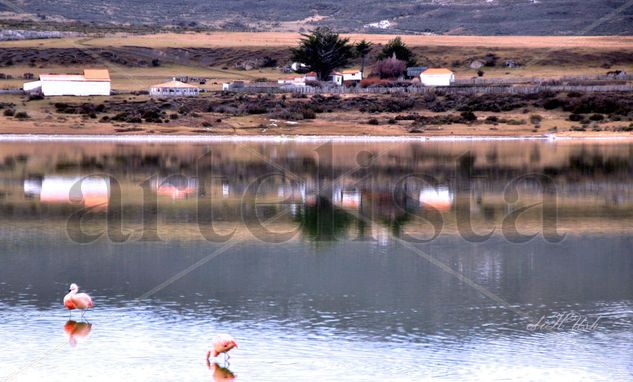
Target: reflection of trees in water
(322, 221)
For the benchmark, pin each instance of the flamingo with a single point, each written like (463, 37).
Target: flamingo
(222, 343)
(74, 300)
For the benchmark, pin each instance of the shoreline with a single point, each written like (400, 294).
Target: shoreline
(297, 138)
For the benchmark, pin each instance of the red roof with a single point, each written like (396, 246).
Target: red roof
(90, 75)
(174, 85)
(437, 71)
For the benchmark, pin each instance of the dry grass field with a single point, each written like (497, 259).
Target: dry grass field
(287, 39)
(212, 56)
(545, 56)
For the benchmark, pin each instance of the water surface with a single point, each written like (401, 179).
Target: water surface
(348, 261)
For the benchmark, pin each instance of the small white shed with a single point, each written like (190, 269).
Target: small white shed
(437, 77)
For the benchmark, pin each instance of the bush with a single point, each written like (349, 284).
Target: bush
(373, 82)
(576, 117)
(596, 117)
(35, 97)
(309, 114)
(373, 121)
(389, 68)
(468, 116)
(9, 113)
(492, 119)
(535, 119)
(21, 115)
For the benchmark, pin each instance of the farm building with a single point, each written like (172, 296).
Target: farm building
(310, 76)
(174, 89)
(353, 75)
(92, 82)
(336, 78)
(228, 86)
(437, 77)
(292, 81)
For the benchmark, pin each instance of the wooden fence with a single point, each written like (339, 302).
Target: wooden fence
(517, 89)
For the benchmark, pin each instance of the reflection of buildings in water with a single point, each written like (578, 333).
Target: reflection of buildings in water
(440, 198)
(175, 187)
(381, 234)
(226, 189)
(346, 198)
(292, 192)
(90, 191)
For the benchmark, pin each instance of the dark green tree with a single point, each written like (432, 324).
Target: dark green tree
(401, 51)
(362, 49)
(322, 51)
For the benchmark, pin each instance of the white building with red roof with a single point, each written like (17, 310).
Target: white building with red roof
(91, 83)
(437, 77)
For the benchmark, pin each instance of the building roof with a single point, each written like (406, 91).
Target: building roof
(350, 71)
(311, 74)
(437, 71)
(97, 74)
(174, 85)
(90, 75)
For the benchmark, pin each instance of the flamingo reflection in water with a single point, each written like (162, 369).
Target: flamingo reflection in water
(76, 330)
(220, 373)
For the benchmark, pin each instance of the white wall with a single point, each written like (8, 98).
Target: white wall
(28, 86)
(353, 76)
(75, 88)
(437, 79)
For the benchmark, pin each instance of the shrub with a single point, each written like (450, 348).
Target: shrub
(35, 97)
(468, 116)
(389, 68)
(309, 114)
(373, 82)
(373, 121)
(576, 117)
(535, 119)
(9, 112)
(596, 117)
(492, 119)
(21, 115)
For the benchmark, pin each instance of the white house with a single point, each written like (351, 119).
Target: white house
(437, 77)
(310, 76)
(174, 89)
(92, 82)
(352, 75)
(337, 78)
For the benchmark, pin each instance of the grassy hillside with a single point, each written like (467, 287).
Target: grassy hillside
(484, 17)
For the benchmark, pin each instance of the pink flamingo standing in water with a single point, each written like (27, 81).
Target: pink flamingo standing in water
(74, 300)
(222, 343)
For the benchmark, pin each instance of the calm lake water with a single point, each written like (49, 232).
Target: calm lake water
(349, 261)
